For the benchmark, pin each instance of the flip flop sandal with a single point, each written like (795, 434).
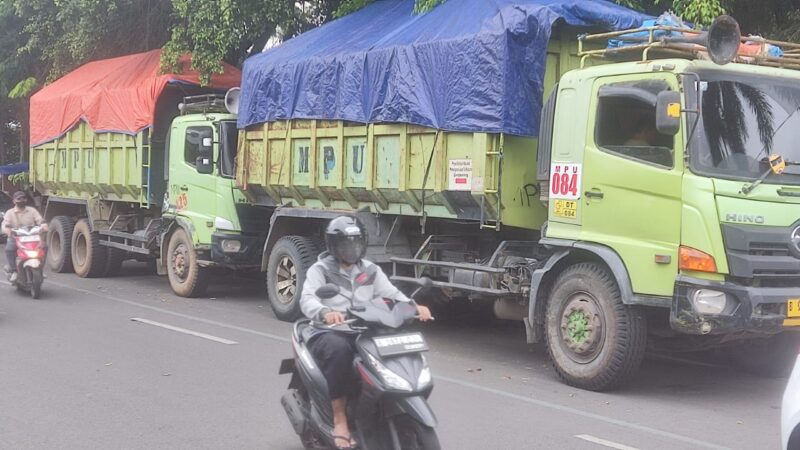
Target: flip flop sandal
(351, 444)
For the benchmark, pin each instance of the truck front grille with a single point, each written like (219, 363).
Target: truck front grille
(761, 256)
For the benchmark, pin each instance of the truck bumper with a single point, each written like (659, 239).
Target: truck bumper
(747, 309)
(248, 254)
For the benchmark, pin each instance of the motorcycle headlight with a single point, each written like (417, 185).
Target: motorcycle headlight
(391, 379)
(424, 378)
(32, 253)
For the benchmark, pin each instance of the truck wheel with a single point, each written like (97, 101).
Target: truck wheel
(771, 357)
(59, 244)
(114, 261)
(88, 256)
(594, 340)
(186, 277)
(288, 262)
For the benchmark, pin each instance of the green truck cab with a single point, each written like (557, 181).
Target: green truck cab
(659, 207)
(166, 194)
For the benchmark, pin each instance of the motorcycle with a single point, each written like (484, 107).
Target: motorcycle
(391, 409)
(30, 258)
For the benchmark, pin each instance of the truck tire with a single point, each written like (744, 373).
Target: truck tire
(114, 261)
(595, 341)
(771, 357)
(59, 244)
(88, 256)
(288, 262)
(186, 277)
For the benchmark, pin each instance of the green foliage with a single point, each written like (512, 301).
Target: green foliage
(423, 6)
(63, 34)
(420, 6)
(20, 179)
(23, 89)
(349, 6)
(213, 30)
(699, 12)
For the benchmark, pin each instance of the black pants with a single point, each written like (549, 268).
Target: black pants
(334, 353)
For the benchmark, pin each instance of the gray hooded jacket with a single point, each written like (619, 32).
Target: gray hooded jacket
(327, 270)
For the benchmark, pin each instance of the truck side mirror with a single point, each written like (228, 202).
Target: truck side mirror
(668, 112)
(204, 164)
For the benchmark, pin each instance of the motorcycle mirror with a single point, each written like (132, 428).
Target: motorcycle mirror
(425, 283)
(327, 291)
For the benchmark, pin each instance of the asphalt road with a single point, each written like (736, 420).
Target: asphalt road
(92, 365)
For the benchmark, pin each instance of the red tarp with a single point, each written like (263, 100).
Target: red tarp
(118, 94)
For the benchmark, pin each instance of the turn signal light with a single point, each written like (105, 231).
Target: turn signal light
(692, 259)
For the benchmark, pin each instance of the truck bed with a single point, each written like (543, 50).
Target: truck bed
(398, 168)
(83, 164)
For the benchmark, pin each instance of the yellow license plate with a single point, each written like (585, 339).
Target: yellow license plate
(566, 208)
(793, 308)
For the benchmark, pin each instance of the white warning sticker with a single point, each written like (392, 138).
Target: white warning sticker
(460, 171)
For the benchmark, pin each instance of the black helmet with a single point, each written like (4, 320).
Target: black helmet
(346, 239)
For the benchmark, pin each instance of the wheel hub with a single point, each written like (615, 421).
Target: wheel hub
(179, 261)
(286, 284)
(582, 328)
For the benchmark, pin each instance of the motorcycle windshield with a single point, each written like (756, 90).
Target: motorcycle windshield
(387, 313)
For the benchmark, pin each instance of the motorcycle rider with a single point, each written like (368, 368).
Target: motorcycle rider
(21, 215)
(343, 264)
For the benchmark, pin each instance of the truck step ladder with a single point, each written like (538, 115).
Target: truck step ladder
(144, 199)
(496, 159)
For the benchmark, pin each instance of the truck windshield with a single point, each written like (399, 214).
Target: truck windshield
(744, 120)
(229, 136)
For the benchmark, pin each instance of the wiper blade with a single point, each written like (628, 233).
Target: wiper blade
(777, 165)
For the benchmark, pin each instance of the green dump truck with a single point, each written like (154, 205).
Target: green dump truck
(153, 180)
(660, 204)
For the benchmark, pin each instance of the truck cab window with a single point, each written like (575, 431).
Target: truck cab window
(229, 137)
(626, 126)
(194, 141)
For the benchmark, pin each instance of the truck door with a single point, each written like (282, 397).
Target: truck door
(631, 180)
(192, 183)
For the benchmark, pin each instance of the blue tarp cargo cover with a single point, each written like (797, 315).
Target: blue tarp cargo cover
(467, 65)
(12, 169)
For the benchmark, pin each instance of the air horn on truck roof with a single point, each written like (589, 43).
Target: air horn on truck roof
(721, 40)
(232, 100)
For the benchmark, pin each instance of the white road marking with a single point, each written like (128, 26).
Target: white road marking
(542, 403)
(603, 442)
(185, 331)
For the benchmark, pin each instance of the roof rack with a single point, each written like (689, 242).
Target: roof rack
(688, 43)
(202, 104)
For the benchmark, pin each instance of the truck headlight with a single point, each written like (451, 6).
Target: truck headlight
(708, 301)
(391, 379)
(231, 245)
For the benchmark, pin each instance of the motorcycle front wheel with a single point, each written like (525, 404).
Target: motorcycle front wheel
(35, 278)
(416, 436)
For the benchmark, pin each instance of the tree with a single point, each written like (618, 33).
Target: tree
(230, 30)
